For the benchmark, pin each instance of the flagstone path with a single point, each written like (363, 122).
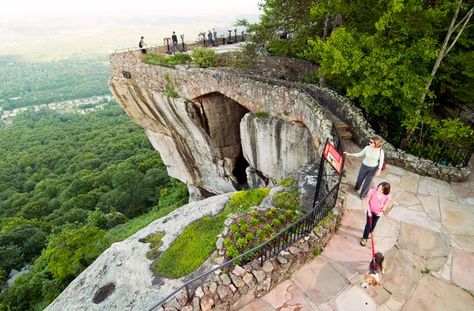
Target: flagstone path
(427, 240)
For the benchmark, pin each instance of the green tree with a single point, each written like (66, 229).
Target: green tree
(72, 250)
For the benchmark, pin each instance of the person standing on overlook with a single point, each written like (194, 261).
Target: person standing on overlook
(371, 165)
(142, 44)
(174, 39)
(214, 34)
(210, 42)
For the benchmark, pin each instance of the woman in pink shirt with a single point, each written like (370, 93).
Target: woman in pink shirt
(376, 202)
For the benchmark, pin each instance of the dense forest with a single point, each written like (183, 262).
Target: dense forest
(32, 83)
(408, 64)
(70, 185)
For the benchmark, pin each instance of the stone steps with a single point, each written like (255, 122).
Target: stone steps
(342, 128)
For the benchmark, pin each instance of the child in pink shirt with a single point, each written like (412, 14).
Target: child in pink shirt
(376, 202)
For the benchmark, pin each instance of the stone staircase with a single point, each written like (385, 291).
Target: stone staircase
(342, 128)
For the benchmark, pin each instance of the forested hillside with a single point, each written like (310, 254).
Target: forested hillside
(32, 83)
(70, 185)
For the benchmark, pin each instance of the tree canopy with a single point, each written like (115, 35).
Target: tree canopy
(381, 54)
(71, 185)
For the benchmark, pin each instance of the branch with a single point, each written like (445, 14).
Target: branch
(467, 18)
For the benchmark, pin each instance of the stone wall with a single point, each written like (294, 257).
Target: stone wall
(290, 69)
(361, 133)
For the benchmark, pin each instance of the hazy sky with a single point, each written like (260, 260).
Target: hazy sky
(50, 29)
(63, 8)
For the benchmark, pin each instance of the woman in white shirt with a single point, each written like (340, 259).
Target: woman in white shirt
(371, 164)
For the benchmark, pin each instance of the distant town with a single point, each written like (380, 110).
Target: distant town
(83, 106)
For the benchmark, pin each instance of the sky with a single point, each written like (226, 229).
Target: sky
(53, 29)
(63, 8)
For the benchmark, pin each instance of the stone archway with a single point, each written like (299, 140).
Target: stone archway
(219, 116)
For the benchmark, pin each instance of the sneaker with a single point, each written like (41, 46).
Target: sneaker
(363, 242)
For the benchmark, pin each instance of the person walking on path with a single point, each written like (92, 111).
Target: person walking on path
(142, 44)
(371, 165)
(174, 38)
(376, 203)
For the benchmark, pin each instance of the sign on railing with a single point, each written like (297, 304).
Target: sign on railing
(333, 157)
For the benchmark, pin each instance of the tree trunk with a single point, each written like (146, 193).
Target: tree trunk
(442, 53)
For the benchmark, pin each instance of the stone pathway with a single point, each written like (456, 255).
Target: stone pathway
(427, 240)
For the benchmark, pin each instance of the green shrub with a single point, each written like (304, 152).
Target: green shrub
(242, 243)
(182, 58)
(275, 223)
(167, 61)
(244, 228)
(234, 229)
(249, 237)
(242, 201)
(254, 221)
(204, 57)
(287, 200)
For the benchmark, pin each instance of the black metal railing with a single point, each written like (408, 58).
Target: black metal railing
(270, 248)
(445, 154)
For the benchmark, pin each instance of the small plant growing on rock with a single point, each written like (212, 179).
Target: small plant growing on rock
(254, 221)
(234, 229)
(276, 223)
(155, 242)
(249, 237)
(287, 182)
(244, 228)
(242, 243)
(261, 114)
(169, 87)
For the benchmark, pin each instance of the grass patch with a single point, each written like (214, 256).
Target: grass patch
(198, 240)
(191, 248)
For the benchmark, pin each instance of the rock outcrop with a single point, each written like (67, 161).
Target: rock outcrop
(193, 117)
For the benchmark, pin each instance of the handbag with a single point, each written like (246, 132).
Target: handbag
(384, 164)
